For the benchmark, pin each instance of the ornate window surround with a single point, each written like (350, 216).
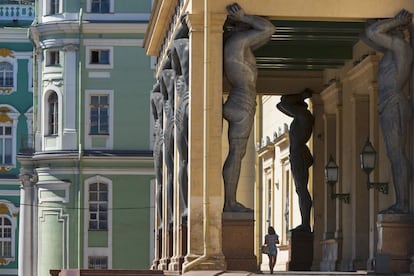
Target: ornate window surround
(7, 55)
(10, 211)
(9, 117)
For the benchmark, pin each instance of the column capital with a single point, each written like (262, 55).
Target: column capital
(27, 179)
(70, 48)
(195, 22)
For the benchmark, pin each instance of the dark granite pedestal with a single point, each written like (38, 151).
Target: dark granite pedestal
(395, 243)
(300, 251)
(238, 241)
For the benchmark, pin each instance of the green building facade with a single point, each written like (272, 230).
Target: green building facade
(88, 185)
(16, 117)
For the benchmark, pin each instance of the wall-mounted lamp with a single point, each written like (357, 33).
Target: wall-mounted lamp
(368, 157)
(331, 175)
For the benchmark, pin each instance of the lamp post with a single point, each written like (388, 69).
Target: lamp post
(368, 158)
(331, 175)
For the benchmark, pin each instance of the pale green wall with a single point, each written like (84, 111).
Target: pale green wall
(120, 6)
(131, 221)
(133, 5)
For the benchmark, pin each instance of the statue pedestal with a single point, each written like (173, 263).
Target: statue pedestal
(395, 237)
(238, 241)
(300, 251)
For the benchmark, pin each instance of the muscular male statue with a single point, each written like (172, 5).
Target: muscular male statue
(180, 57)
(167, 90)
(157, 112)
(300, 156)
(394, 72)
(243, 34)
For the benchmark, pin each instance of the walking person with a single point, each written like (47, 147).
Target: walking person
(271, 240)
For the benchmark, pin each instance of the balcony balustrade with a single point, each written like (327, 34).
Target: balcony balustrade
(23, 11)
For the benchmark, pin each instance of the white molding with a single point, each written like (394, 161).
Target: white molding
(61, 217)
(5, 181)
(99, 66)
(10, 193)
(93, 251)
(113, 42)
(109, 138)
(12, 215)
(99, 75)
(58, 42)
(14, 115)
(13, 61)
(104, 170)
(53, 185)
(133, 27)
(12, 35)
(45, 115)
(8, 271)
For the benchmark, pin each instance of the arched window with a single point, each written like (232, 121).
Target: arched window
(6, 74)
(53, 123)
(6, 235)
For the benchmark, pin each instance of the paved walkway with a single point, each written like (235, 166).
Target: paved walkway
(290, 273)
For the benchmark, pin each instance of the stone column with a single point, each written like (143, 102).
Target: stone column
(317, 185)
(69, 139)
(376, 140)
(38, 100)
(359, 192)
(26, 254)
(205, 166)
(331, 98)
(345, 185)
(195, 140)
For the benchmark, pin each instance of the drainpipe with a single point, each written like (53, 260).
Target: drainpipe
(206, 202)
(80, 136)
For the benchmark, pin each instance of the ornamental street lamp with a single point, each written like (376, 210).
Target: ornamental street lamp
(331, 175)
(368, 158)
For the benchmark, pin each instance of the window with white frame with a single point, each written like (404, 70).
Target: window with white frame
(53, 7)
(8, 135)
(99, 114)
(6, 145)
(98, 262)
(6, 75)
(6, 237)
(98, 206)
(100, 6)
(52, 58)
(53, 114)
(99, 57)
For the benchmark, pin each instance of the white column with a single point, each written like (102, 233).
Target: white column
(25, 226)
(69, 123)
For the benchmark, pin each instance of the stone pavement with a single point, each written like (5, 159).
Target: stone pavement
(289, 273)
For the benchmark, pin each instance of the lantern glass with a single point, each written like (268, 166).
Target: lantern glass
(331, 171)
(368, 156)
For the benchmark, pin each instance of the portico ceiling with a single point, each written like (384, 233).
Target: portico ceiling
(309, 45)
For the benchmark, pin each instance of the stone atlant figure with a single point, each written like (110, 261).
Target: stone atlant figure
(181, 118)
(157, 112)
(394, 72)
(242, 34)
(300, 156)
(180, 64)
(167, 81)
